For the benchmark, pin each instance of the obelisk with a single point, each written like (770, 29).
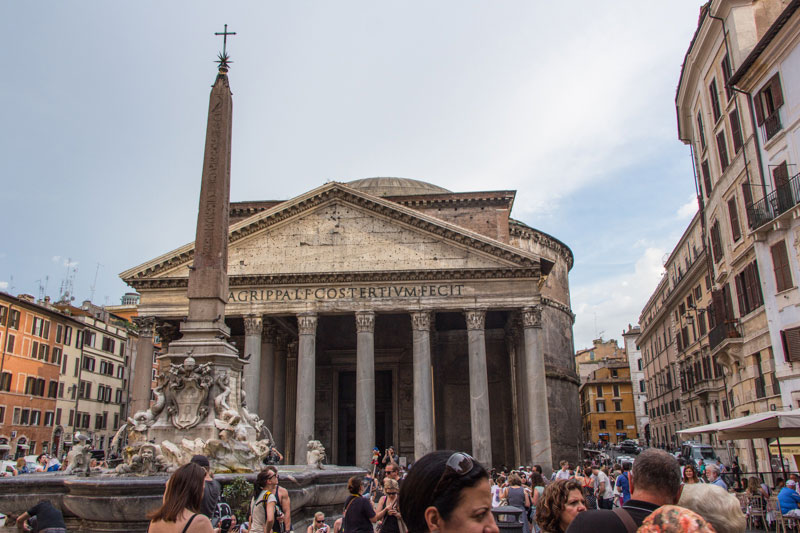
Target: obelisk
(191, 410)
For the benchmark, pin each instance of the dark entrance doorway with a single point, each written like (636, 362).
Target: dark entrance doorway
(384, 419)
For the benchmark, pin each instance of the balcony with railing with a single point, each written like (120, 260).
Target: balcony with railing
(775, 203)
(726, 330)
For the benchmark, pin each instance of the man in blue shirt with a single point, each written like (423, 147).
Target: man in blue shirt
(712, 471)
(789, 499)
(623, 483)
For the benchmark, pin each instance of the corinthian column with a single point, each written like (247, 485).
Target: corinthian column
(479, 388)
(252, 351)
(536, 380)
(265, 397)
(306, 368)
(143, 365)
(365, 387)
(423, 384)
(279, 381)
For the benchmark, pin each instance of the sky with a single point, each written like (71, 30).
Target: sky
(571, 104)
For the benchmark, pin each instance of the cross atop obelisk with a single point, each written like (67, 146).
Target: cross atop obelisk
(224, 60)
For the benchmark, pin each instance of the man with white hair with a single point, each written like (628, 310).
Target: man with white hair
(718, 507)
(789, 499)
(712, 471)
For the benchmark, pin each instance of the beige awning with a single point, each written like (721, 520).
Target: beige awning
(758, 426)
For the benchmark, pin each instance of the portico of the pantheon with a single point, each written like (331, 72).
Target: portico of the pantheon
(389, 311)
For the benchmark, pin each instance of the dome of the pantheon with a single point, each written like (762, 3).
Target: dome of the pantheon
(395, 187)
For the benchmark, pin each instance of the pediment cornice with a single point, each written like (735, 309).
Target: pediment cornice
(350, 277)
(330, 192)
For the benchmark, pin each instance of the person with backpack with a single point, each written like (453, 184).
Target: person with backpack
(264, 505)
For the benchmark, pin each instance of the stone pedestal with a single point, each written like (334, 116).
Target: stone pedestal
(365, 387)
(423, 385)
(538, 411)
(306, 381)
(479, 388)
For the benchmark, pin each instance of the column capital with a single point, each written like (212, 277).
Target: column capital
(532, 316)
(269, 332)
(291, 350)
(365, 321)
(146, 325)
(476, 318)
(307, 323)
(421, 320)
(167, 332)
(252, 325)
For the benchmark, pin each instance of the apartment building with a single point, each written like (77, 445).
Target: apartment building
(33, 339)
(638, 383)
(590, 359)
(607, 404)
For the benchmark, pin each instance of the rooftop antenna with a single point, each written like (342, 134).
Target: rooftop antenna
(11, 285)
(42, 288)
(94, 284)
(68, 285)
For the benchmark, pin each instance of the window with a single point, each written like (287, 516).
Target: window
(61, 390)
(88, 363)
(722, 149)
(748, 289)
(116, 421)
(602, 424)
(59, 333)
(40, 327)
(30, 385)
(736, 131)
(10, 344)
(712, 92)
(716, 245)
(701, 323)
(5, 382)
(599, 390)
(641, 386)
(639, 363)
(2, 414)
(620, 424)
(36, 418)
(618, 405)
(67, 335)
(85, 389)
(77, 367)
(120, 372)
(118, 396)
(767, 102)
(64, 364)
(58, 416)
(700, 132)
(52, 389)
(614, 373)
(17, 416)
(14, 322)
(780, 265)
(24, 419)
(3, 315)
(34, 349)
(616, 390)
(733, 213)
(726, 75)
(601, 406)
(748, 201)
(108, 344)
(56, 357)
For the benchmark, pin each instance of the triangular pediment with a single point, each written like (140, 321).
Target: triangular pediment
(336, 229)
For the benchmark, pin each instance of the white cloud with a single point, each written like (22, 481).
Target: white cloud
(3, 285)
(687, 210)
(616, 301)
(56, 259)
(63, 261)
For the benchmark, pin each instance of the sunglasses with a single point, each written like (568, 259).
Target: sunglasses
(457, 465)
(319, 521)
(391, 493)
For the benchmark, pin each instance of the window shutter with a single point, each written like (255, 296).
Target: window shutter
(706, 177)
(722, 148)
(736, 131)
(791, 344)
(716, 245)
(781, 175)
(733, 213)
(759, 108)
(780, 265)
(775, 89)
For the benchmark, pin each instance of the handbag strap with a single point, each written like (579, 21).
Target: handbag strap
(186, 527)
(627, 519)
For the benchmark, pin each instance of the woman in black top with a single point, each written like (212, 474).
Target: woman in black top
(389, 503)
(358, 512)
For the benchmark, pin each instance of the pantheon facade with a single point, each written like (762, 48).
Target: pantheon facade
(388, 311)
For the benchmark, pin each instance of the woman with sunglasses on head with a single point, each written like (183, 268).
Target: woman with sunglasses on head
(389, 502)
(262, 506)
(447, 492)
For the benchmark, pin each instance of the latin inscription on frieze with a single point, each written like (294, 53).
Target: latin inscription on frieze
(345, 293)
